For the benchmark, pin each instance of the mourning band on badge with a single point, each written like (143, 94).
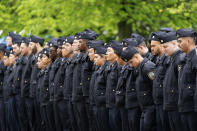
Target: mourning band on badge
(151, 75)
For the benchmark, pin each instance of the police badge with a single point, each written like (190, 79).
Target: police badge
(179, 67)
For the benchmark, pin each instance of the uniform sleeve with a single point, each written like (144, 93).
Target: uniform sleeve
(149, 70)
(194, 68)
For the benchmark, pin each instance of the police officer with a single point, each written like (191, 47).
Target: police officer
(25, 81)
(40, 108)
(143, 86)
(120, 105)
(53, 46)
(187, 78)
(67, 54)
(35, 45)
(170, 83)
(112, 75)
(18, 69)
(86, 70)
(100, 89)
(161, 67)
(5, 91)
(91, 49)
(54, 66)
(2, 71)
(129, 75)
(60, 107)
(10, 38)
(13, 123)
(44, 95)
(79, 92)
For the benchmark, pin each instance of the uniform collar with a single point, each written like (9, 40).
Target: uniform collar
(68, 60)
(30, 56)
(174, 55)
(147, 55)
(95, 67)
(160, 59)
(126, 66)
(41, 72)
(80, 55)
(191, 54)
(85, 56)
(142, 63)
(113, 65)
(64, 59)
(59, 58)
(9, 68)
(102, 67)
(17, 61)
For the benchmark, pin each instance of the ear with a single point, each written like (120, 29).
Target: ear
(50, 59)
(161, 46)
(140, 46)
(191, 41)
(136, 56)
(116, 55)
(174, 43)
(37, 44)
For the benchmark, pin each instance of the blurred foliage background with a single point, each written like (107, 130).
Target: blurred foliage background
(111, 19)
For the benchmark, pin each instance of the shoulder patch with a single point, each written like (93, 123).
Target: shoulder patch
(151, 75)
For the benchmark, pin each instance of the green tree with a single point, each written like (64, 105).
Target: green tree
(112, 19)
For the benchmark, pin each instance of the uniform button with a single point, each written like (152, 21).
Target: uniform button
(189, 87)
(25, 81)
(132, 89)
(60, 86)
(144, 94)
(160, 85)
(1, 83)
(81, 84)
(88, 78)
(18, 79)
(47, 89)
(113, 90)
(102, 93)
(53, 84)
(172, 91)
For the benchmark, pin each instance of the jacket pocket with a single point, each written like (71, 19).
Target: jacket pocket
(120, 98)
(145, 98)
(188, 93)
(159, 92)
(173, 96)
(100, 97)
(131, 97)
